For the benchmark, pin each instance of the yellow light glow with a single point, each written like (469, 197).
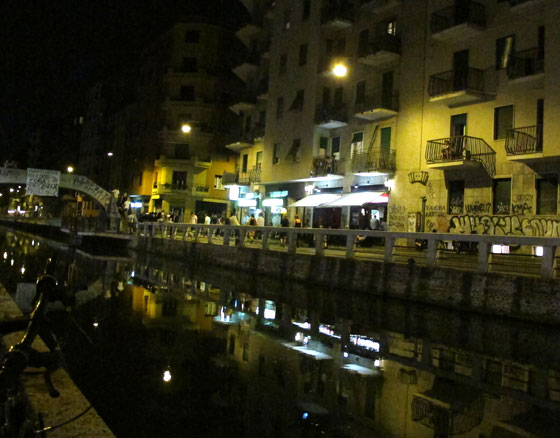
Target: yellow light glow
(167, 376)
(186, 128)
(340, 70)
(70, 169)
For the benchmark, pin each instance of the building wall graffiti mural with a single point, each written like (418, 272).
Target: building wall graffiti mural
(397, 217)
(505, 225)
(478, 207)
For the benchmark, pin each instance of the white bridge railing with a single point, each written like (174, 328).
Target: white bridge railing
(346, 243)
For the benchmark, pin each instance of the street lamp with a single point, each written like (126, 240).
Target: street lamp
(109, 154)
(70, 169)
(186, 128)
(340, 70)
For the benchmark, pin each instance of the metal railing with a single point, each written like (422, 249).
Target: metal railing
(373, 161)
(378, 100)
(172, 186)
(461, 148)
(471, 12)
(326, 165)
(456, 80)
(251, 176)
(525, 140)
(525, 63)
(316, 241)
(382, 41)
(325, 113)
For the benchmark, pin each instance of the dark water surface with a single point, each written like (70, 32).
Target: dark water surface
(252, 357)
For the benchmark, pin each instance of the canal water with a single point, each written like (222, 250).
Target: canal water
(166, 349)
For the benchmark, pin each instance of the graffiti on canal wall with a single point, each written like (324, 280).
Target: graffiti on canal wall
(478, 207)
(397, 217)
(505, 225)
(522, 204)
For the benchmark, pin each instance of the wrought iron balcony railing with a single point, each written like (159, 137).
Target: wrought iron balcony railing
(525, 140)
(526, 63)
(381, 42)
(374, 161)
(325, 165)
(389, 101)
(169, 187)
(456, 80)
(469, 12)
(251, 176)
(461, 148)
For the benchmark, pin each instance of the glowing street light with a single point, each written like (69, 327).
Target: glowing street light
(70, 169)
(340, 70)
(167, 376)
(186, 128)
(109, 154)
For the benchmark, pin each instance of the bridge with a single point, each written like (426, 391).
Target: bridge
(69, 181)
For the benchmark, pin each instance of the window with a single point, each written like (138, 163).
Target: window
(357, 143)
(258, 159)
(247, 124)
(262, 118)
(504, 51)
(323, 145)
(303, 54)
(335, 147)
(547, 195)
(218, 182)
(286, 23)
(456, 197)
(187, 93)
(338, 95)
(283, 64)
(275, 153)
(306, 10)
(192, 36)
(361, 92)
(179, 180)
(189, 65)
(503, 121)
(244, 163)
(295, 150)
(297, 104)
(182, 151)
(502, 196)
(391, 27)
(363, 43)
(279, 107)
(326, 98)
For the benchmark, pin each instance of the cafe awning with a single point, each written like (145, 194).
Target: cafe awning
(359, 198)
(315, 200)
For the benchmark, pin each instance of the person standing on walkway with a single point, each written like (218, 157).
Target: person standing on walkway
(260, 223)
(235, 222)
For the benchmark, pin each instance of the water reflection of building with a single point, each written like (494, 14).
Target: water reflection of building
(311, 365)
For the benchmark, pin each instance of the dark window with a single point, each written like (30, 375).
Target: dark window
(262, 118)
(303, 54)
(189, 65)
(335, 145)
(179, 179)
(504, 50)
(247, 124)
(338, 95)
(283, 64)
(192, 36)
(306, 9)
(182, 151)
(244, 163)
(187, 93)
(540, 46)
(279, 107)
(363, 43)
(275, 153)
(456, 197)
(361, 92)
(502, 196)
(326, 98)
(341, 47)
(297, 104)
(323, 144)
(547, 195)
(258, 159)
(503, 121)
(295, 150)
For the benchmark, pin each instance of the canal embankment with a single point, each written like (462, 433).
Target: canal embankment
(506, 295)
(71, 401)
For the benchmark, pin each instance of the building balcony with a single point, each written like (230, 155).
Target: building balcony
(525, 144)
(526, 65)
(460, 152)
(199, 190)
(383, 50)
(331, 116)
(457, 87)
(374, 161)
(337, 17)
(245, 102)
(247, 139)
(249, 66)
(327, 165)
(250, 176)
(461, 21)
(377, 107)
(378, 6)
(176, 188)
(525, 6)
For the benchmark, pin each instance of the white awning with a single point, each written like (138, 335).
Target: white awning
(315, 200)
(359, 198)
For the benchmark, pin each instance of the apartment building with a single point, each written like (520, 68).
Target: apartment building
(441, 115)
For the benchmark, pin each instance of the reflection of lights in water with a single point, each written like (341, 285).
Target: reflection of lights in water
(235, 303)
(132, 274)
(305, 415)
(33, 243)
(167, 376)
(96, 324)
(22, 270)
(12, 262)
(257, 311)
(5, 255)
(299, 337)
(345, 354)
(377, 363)
(306, 340)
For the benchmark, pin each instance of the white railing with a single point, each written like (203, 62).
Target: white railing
(346, 243)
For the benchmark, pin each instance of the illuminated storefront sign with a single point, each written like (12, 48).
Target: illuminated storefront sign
(273, 202)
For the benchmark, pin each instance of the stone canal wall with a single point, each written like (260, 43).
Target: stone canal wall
(530, 299)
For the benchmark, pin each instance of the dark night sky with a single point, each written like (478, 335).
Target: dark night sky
(51, 51)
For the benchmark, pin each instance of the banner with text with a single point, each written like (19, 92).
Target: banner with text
(42, 182)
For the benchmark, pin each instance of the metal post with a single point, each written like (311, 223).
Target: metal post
(547, 266)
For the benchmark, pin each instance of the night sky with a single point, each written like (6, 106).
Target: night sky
(52, 51)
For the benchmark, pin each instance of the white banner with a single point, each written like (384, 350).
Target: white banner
(42, 182)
